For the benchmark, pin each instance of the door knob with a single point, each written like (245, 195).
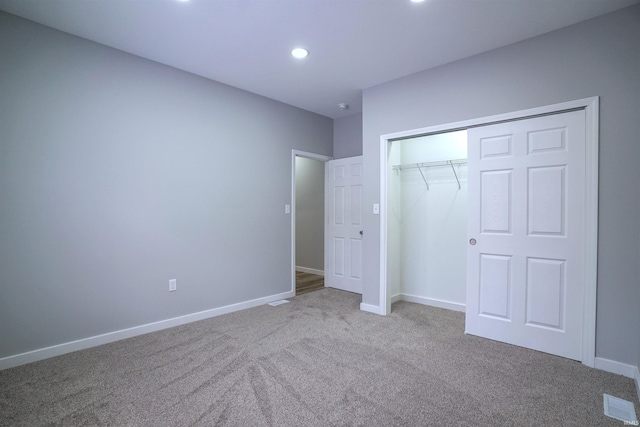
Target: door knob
(472, 242)
(361, 232)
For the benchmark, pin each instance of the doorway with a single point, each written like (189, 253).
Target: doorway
(307, 221)
(588, 178)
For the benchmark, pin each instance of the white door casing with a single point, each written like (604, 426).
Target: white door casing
(343, 230)
(526, 256)
(292, 207)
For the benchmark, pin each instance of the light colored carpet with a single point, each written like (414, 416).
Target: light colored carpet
(317, 361)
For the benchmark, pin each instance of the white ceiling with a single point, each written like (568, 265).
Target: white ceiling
(354, 44)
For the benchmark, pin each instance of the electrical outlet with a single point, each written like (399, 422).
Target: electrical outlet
(172, 285)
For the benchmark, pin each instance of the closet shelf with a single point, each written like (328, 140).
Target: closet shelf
(431, 164)
(448, 163)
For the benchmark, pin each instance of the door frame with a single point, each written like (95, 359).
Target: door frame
(306, 155)
(591, 107)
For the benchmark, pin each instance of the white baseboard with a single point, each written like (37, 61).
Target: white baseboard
(57, 350)
(614, 367)
(310, 270)
(418, 300)
(433, 302)
(375, 309)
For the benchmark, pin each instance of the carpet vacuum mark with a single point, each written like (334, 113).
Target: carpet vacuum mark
(317, 361)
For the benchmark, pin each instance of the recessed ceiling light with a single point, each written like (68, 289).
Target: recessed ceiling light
(299, 52)
(417, 1)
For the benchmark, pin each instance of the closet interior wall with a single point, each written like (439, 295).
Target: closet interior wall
(427, 224)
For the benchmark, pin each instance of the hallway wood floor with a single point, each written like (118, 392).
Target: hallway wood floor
(307, 282)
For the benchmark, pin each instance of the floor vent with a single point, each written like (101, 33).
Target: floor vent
(620, 410)
(282, 301)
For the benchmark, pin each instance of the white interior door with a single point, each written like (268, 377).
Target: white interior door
(343, 233)
(526, 250)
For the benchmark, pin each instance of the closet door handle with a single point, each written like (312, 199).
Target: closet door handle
(361, 232)
(472, 242)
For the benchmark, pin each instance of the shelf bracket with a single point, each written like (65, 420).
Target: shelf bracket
(454, 172)
(425, 179)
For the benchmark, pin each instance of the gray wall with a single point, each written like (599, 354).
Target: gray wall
(347, 136)
(600, 57)
(309, 213)
(118, 174)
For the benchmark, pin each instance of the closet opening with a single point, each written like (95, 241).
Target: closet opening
(427, 219)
